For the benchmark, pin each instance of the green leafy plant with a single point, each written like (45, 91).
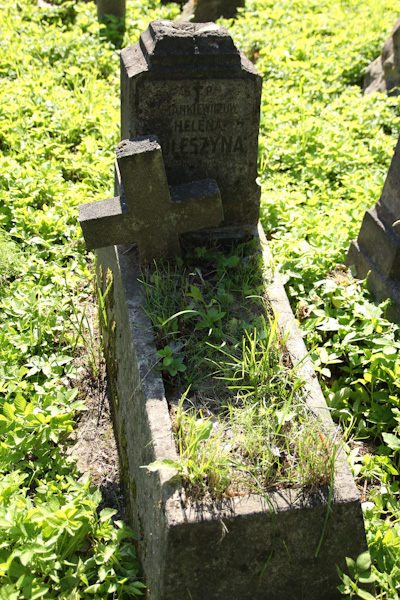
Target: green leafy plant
(266, 436)
(171, 362)
(324, 152)
(360, 573)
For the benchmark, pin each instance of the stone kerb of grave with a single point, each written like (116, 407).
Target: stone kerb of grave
(190, 85)
(147, 211)
(376, 252)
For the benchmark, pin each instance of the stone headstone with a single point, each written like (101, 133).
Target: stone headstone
(188, 84)
(115, 8)
(383, 75)
(201, 11)
(377, 248)
(148, 212)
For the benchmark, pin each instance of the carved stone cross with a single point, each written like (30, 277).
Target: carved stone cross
(149, 212)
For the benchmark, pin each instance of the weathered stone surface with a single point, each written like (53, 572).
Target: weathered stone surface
(202, 11)
(383, 75)
(147, 211)
(377, 249)
(188, 84)
(242, 548)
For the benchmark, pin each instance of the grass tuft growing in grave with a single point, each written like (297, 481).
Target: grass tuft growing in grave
(239, 418)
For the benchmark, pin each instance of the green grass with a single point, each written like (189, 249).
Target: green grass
(324, 154)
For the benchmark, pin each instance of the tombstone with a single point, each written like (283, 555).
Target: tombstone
(106, 8)
(383, 75)
(189, 84)
(147, 211)
(200, 11)
(376, 252)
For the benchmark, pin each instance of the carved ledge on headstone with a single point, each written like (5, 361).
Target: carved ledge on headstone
(207, 43)
(383, 75)
(148, 211)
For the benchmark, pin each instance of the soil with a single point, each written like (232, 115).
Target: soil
(93, 443)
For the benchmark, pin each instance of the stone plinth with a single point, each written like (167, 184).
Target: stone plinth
(106, 8)
(188, 84)
(243, 548)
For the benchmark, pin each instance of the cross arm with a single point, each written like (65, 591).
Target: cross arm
(104, 223)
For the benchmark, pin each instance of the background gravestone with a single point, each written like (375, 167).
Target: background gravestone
(200, 11)
(377, 248)
(383, 75)
(188, 84)
(106, 8)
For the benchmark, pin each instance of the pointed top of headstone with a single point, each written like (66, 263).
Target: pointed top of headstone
(205, 42)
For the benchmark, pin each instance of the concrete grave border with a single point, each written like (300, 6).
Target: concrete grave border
(236, 549)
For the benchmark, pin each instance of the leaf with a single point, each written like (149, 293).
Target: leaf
(196, 293)
(109, 551)
(26, 556)
(9, 411)
(365, 595)
(232, 262)
(106, 514)
(363, 561)
(351, 566)
(53, 504)
(20, 403)
(393, 441)
(329, 324)
(367, 577)
(162, 464)
(188, 311)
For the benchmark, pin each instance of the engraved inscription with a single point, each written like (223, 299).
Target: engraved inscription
(206, 110)
(208, 125)
(198, 119)
(203, 145)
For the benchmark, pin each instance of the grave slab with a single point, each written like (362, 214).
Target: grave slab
(147, 211)
(188, 84)
(376, 252)
(250, 547)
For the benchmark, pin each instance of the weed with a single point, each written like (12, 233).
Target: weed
(259, 431)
